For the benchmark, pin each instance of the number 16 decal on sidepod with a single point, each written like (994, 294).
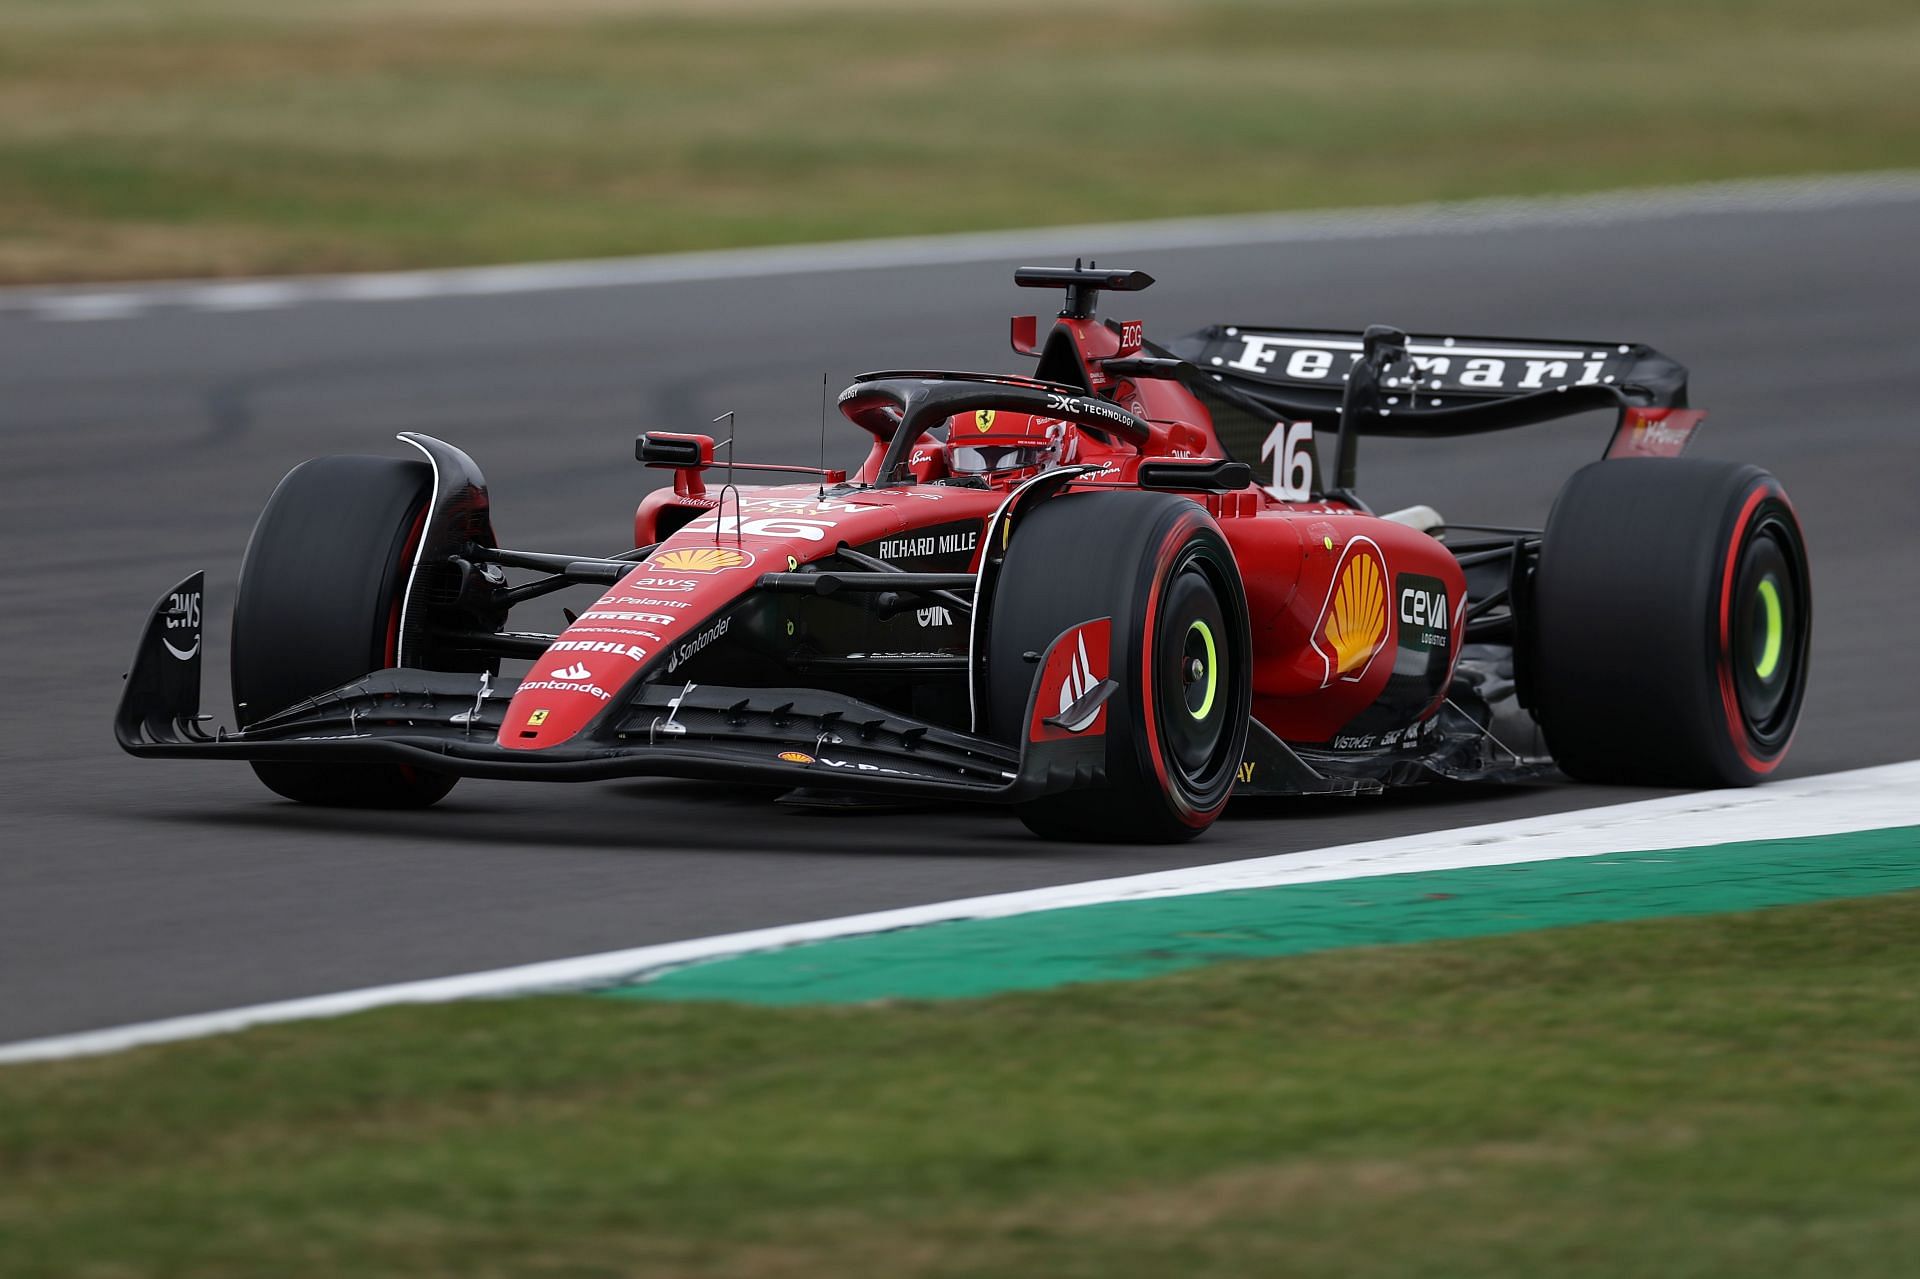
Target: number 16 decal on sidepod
(1290, 445)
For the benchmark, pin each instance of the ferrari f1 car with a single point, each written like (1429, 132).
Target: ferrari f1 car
(1069, 593)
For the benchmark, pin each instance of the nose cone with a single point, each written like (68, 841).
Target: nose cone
(576, 680)
(665, 602)
(675, 605)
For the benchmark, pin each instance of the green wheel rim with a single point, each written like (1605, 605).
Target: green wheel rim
(1769, 633)
(1197, 702)
(1769, 659)
(1213, 669)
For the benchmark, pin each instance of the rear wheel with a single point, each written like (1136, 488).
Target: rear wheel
(1673, 617)
(319, 603)
(1176, 725)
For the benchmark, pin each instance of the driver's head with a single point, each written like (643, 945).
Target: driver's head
(994, 441)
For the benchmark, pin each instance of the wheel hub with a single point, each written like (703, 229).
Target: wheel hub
(1198, 678)
(1767, 631)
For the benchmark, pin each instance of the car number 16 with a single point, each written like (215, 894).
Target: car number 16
(1290, 445)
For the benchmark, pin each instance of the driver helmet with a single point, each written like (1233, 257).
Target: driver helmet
(995, 441)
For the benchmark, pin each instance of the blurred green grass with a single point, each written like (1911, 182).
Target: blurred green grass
(240, 136)
(1731, 1095)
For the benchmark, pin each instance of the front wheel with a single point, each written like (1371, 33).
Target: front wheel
(1175, 726)
(1673, 613)
(321, 589)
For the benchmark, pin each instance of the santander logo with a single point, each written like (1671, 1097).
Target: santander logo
(1078, 683)
(1076, 667)
(574, 673)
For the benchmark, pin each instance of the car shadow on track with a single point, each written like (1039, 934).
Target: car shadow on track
(643, 817)
(671, 816)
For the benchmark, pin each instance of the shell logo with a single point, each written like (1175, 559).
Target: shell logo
(796, 757)
(1354, 622)
(701, 559)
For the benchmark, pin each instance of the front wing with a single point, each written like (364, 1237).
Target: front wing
(449, 722)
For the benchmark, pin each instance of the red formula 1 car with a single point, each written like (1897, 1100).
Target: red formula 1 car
(1065, 593)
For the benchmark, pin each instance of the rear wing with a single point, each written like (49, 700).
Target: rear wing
(1385, 382)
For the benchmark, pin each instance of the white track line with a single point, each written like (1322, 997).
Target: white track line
(1867, 799)
(1472, 217)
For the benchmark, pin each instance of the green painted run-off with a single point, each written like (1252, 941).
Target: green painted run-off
(1143, 938)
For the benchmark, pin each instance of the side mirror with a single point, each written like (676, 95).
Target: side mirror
(673, 450)
(1194, 475)
(685, 455)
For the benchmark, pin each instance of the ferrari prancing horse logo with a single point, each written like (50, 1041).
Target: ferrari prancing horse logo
(983, 420)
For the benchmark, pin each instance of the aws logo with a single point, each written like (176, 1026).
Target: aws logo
(183, 611)
(1353, 622)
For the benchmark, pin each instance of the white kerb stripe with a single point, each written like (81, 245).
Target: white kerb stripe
(1468, 217)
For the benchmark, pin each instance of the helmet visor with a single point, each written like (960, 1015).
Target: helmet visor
(979, 459)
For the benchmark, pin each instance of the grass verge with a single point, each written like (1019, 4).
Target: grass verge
(1730, 1095)
(245, 136)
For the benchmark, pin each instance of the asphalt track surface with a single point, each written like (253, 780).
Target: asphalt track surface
(134, 450)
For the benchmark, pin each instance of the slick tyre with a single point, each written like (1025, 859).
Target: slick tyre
(319, 605)
(1176, 724)
(1672, 612)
